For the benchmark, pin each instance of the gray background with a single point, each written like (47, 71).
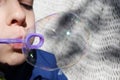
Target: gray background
(43, 8)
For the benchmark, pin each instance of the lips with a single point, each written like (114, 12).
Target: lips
(16, 32)
(17, 45)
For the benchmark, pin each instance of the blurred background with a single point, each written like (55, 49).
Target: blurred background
(43, 8)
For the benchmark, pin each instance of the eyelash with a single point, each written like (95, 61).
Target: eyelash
(26, 6)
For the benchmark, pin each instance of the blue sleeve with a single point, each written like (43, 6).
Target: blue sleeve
(47, 59)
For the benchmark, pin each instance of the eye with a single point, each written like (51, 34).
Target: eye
(27, 6)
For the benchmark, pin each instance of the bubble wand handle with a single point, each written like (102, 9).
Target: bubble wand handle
(9, 41)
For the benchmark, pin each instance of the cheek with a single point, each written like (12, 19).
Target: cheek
(2, 25)
(30, 20)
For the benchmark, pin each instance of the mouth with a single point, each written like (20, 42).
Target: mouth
(17, 45)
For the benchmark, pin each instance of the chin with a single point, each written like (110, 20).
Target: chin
(16, 59)
(11, 56)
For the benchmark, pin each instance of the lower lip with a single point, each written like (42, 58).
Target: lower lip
(17, 45)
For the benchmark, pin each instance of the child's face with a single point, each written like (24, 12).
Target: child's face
(16, 18)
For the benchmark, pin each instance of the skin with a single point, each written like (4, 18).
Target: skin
(16, 19)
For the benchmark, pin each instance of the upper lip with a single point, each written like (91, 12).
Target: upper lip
(20, 33)
(20, 37)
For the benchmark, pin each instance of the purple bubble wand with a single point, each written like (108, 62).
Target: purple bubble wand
(26, 41)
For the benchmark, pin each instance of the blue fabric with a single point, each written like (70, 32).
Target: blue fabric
(48, 60)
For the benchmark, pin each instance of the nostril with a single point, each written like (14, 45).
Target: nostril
(14, 21)
(24, 24)
(20, 23)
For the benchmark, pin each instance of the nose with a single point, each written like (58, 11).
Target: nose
(16, 15)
